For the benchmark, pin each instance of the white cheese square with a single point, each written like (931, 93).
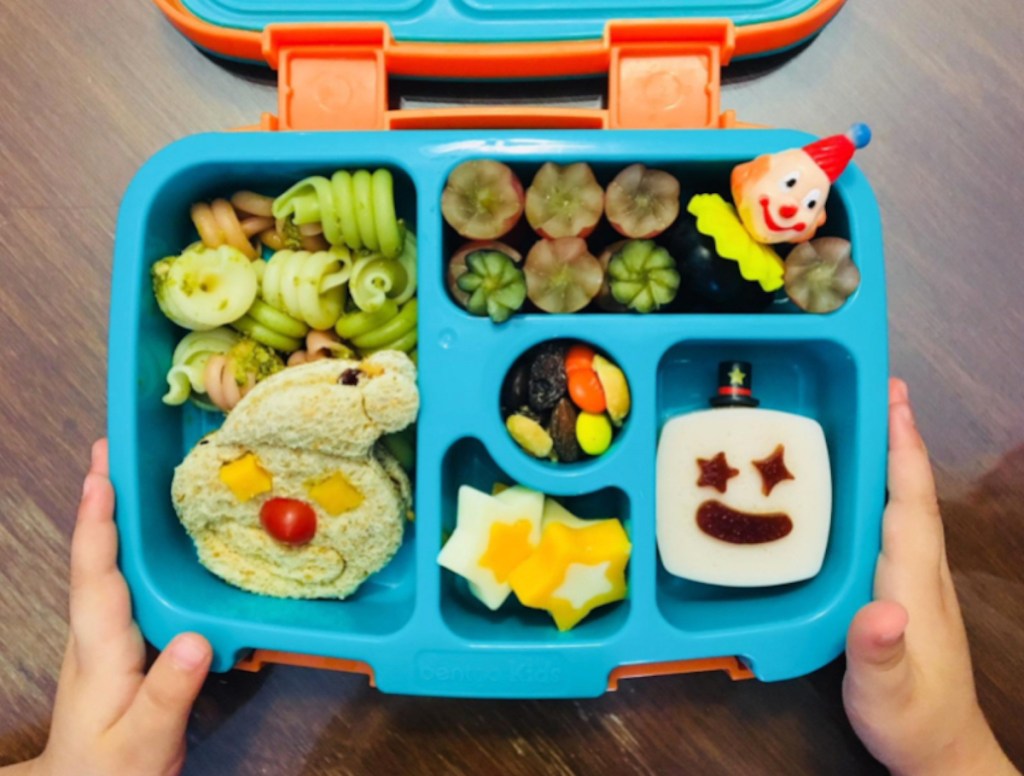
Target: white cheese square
(745, 436)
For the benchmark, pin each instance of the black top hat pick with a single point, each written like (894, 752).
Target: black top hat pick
(735, 384)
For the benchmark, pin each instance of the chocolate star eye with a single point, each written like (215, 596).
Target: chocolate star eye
(715, 473)
(773, 470)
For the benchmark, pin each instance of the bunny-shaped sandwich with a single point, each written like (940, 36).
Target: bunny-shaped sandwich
(293, 497)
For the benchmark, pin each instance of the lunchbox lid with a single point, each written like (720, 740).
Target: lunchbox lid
(487, 20)
(334, 67)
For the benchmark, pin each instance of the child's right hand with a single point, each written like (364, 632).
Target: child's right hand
(909, 688)
(110, 717)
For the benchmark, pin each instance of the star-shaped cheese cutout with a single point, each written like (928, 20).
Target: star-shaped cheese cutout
(773, 470)
(574, 570)
(509, 546)
(715, 473)
(737, 377)
(472, 551)
(584, 582)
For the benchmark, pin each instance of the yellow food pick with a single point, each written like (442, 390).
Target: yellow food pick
(509, 545)
(246, 478)
(336, 494)
(574, 570)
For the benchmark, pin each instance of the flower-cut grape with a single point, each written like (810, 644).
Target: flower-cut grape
(642, 203)
(564, 201)
(561, 275)
(483, 199)
(821, 275)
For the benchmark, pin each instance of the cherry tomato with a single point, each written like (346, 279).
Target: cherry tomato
(289, 521)
(586, 392)
(578, 357)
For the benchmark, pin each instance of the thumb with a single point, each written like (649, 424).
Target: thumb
(876, 653)
(159, 714)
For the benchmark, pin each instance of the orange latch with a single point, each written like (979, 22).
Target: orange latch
(667, 76)
(733, 666)
(261, 657)
(664, 74)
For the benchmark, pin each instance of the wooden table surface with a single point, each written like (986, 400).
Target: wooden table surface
(90, 90)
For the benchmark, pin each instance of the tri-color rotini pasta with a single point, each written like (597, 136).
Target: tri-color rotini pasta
(308, 286)
(355, 209)
(320, 345)
(339, 281)
(188, 364)
(388, 328)
(272, 327)
(230, 376)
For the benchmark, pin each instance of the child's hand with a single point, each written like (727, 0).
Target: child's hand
(909, 688)
(110, 717)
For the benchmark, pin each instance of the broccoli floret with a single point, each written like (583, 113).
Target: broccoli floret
(250, 358)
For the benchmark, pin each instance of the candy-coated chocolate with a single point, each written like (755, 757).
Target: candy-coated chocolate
(594, 433)
(579, 357)
(586, 392)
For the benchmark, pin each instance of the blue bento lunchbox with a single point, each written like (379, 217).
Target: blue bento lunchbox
(413, 627)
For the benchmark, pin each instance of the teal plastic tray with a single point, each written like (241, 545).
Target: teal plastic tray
(414, 623)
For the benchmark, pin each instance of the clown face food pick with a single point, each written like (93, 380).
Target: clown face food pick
(781, 197)
(744, 495)
(725, 252)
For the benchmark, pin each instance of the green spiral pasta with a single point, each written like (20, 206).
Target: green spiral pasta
(356, 209)
(388, 328)
(185, 377)
(272, 327)
(376, 278)
(308, 286)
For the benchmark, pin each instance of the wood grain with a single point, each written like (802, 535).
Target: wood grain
(91, 90)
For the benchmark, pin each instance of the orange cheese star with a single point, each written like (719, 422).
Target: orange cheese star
(509, 546)
(574, 570)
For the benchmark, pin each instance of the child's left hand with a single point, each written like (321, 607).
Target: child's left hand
(109, 716)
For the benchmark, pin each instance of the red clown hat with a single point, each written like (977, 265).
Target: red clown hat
(832, 154)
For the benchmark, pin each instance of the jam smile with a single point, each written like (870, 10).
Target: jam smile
(730, 525)
(774, 225)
